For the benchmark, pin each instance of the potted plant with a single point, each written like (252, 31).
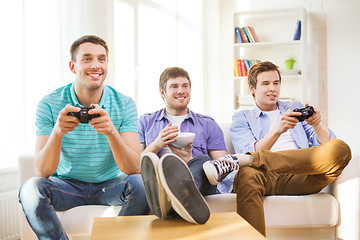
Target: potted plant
(289, 63)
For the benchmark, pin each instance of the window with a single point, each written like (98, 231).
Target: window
(31, 69)
(149, 37)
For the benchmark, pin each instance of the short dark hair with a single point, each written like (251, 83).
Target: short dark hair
(258, 68)
(172, 72)
(84, 39)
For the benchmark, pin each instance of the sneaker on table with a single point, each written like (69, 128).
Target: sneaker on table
(155, 194)
(180, 187)
(216, 170)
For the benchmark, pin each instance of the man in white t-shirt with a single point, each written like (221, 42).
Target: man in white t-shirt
(173, 177)
(285, 156)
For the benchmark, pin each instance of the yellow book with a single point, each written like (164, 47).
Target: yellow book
(236, 69)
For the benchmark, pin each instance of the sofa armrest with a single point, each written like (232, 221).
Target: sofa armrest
(26, 167)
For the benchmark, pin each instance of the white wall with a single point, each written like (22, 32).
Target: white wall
(343, 63)
(343, 98)
(218, 39)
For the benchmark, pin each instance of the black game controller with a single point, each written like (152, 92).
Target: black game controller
(83, 115)
(305, 113)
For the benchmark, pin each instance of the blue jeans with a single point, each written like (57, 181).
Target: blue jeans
(41, 197)
(201, 181)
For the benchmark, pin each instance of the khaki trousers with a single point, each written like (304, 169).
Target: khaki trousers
(291, 172)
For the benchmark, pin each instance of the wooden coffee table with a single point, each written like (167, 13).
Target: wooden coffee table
(227, 225)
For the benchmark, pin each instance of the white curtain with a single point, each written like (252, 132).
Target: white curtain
(37, 38)
(144, 38)
(31, 67)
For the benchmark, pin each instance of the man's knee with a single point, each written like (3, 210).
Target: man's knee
(341, 151)
(198, 161)
(135, 182)
(249, 178)
(29, 192)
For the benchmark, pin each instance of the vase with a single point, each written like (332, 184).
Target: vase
(289, 64)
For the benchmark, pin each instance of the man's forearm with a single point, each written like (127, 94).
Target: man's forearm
(322, 133)
(47, 154)
(152, 147)
(126, 151)
(268, 141)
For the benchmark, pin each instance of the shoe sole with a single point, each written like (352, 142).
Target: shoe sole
(155, 193)
(210, 172)
(180, 187)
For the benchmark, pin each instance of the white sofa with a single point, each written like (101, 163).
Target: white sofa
(313, 216)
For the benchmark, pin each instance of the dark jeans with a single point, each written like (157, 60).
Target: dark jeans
(201, 181)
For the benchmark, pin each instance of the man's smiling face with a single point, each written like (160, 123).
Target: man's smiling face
(177, 94)
(91, 66)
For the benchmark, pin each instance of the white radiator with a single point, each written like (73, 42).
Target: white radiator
(9, 216)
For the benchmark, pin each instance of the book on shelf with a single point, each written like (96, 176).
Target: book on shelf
(251, 38)
(244, 36)
(253, 34)
(238, 35)
(236, 69)
(247, 64)
(297, 34)
(241, 74)
(242, 66)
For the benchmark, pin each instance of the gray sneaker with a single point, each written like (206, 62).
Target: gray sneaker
(180, 187)
(217, 170)
(155, 194)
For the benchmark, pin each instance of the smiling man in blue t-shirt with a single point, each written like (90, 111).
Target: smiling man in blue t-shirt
(94, 163)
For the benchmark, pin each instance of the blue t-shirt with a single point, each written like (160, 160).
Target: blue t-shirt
(85, 154)
(209, 135)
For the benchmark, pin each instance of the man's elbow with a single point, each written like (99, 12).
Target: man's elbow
(42, 174)
(132, 171)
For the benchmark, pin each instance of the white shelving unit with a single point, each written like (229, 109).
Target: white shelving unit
(275, 30)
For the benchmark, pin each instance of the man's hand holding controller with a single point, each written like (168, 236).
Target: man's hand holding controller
(70, 117)
(101, 121)
(84, 115)
(96, 116)
(66, 123)
(315, 116)
(290, 118)
(306, 112)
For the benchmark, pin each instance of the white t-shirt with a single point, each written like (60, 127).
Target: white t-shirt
(176, 121)
(285, 141)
